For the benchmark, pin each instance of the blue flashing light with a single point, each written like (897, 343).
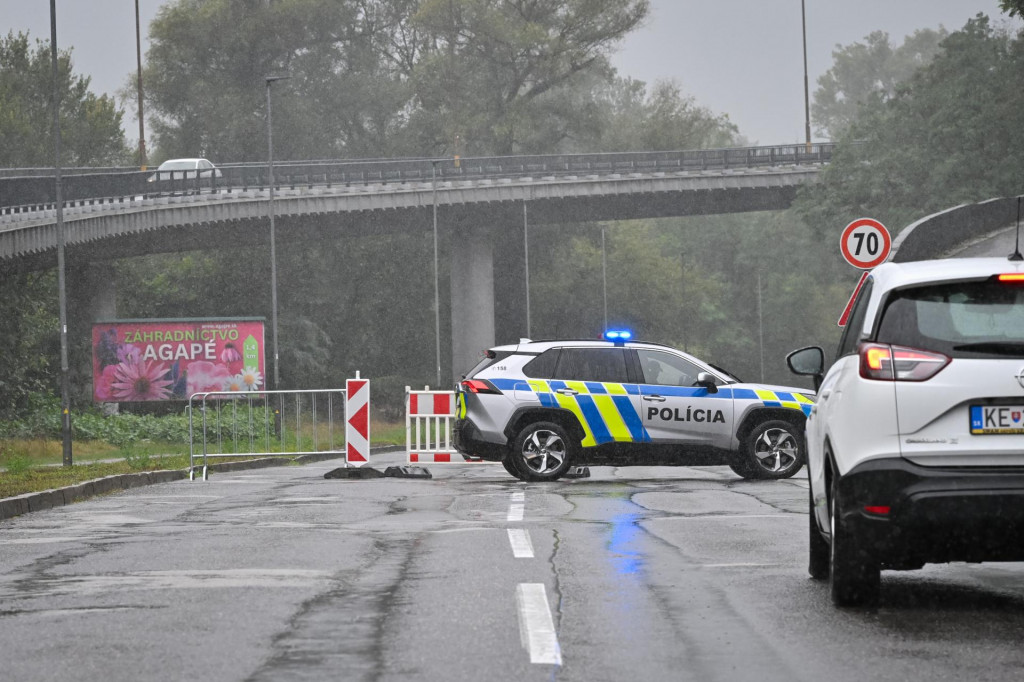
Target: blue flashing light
(618, 336)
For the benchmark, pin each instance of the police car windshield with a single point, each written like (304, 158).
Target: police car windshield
(729, 377)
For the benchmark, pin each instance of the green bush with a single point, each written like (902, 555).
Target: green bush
(16, 464)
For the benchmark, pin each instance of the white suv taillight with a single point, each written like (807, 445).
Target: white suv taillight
(883, 362)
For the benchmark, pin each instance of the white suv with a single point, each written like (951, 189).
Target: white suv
(915, 447)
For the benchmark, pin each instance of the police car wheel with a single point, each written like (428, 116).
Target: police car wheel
(510, 467)
(773, 449)
(543, 451)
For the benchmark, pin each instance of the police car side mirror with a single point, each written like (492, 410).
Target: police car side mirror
(707, 381)
(809, 361)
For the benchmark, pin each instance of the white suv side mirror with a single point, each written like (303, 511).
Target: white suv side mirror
(809, 361)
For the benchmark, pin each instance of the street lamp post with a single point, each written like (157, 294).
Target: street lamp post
(138, 60)
(437, 289)
(526, 266)
(65, 385)
(273, 239)
(807, 95)
(604, 278)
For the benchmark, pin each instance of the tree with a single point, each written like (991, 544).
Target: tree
(91, 136)
(29, 336)
(1015, 8)
(942, 139)
(863, 73)
(375, 77)
(90, 125)
(624, 116)
(208, 59)
(494, 71)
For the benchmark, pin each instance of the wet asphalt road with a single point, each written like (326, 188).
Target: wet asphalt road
(653, 573)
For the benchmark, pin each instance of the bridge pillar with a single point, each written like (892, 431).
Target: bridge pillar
(488, 289)
(92, 296)
(472, 292)
(510, 322)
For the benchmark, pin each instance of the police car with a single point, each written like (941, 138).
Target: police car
(543, 407)
(916, 443)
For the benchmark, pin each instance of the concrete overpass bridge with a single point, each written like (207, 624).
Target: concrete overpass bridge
(484, 204)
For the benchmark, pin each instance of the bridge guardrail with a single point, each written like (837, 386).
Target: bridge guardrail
(32, 191)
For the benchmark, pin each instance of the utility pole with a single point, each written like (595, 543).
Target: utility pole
(807, 92)
(273, 240)
(437, 289)
(526, 262)
(604, 278)
(138, 60)
(65, 387)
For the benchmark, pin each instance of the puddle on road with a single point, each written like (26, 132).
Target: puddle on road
(624, 543)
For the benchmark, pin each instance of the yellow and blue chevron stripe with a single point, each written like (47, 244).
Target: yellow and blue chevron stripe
(793, 401)
(604, 410)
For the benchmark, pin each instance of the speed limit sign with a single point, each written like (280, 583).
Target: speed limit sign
(865, 243)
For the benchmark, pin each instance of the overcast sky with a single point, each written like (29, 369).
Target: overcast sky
(740, 57)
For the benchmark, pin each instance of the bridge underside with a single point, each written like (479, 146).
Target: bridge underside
(487, 295)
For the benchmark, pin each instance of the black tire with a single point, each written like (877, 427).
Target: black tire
(740, 464)
(542, 451)
(510, 467)
(773, 449)
(818, 551)
(855, 577)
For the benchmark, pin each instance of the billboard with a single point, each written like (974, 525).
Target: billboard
(145, 360)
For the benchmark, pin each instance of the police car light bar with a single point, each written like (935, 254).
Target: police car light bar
(618, 336)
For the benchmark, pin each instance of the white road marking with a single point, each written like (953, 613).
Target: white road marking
(517, 506)
(519, 538)
(536, 628)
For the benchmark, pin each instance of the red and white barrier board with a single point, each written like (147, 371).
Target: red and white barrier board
(357, 421)
(428, 426)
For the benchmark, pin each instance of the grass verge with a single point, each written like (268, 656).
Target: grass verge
(18, 481)
(33, 465)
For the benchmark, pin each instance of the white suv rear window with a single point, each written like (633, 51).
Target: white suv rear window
(960, 319)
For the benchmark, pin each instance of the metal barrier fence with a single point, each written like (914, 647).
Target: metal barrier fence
(264, 423)
(428, 425)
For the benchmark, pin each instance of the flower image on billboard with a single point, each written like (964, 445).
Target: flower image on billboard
(145, 360)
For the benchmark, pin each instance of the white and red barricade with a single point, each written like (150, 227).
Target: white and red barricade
(428, 426)
(357, 421)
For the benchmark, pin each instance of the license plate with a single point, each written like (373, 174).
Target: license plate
(997, 419)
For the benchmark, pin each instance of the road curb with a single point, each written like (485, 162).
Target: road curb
(48, 499)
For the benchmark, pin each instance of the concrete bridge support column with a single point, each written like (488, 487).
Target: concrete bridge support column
(472, 291)
(488, 289)
(510, 274)
(92, 296)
